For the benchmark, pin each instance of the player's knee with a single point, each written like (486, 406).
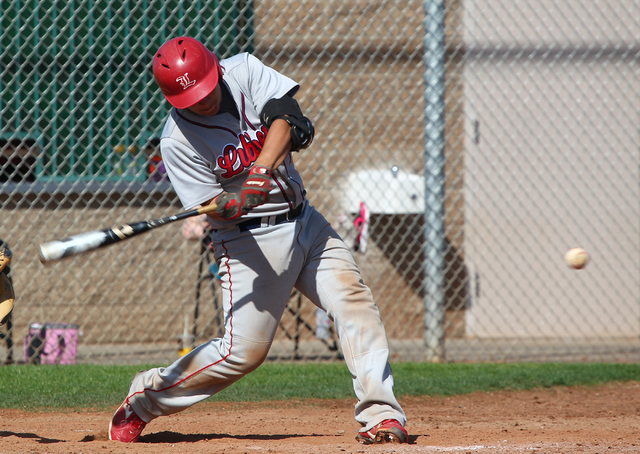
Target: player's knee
(247, 356)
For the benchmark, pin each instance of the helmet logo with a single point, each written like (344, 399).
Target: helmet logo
(185, 81)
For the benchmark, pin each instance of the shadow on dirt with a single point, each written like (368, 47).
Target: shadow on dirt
(29, 435)
(174, 437)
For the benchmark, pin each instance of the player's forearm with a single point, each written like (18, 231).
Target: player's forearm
(276, 146)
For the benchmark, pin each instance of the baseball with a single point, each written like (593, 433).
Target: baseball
(576, 258)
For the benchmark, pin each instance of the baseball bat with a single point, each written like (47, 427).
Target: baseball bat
(85, 242)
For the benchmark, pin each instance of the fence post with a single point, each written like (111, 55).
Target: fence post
(434, 245)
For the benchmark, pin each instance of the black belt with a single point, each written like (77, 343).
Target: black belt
(254, 223)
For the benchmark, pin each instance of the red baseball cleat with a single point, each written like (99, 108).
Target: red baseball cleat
(388, 431)
(125, 426)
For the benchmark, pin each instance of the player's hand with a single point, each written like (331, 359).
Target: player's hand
(229, 206)
(195, 228)
(255, 191)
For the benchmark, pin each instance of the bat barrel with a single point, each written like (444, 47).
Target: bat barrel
(55, 250)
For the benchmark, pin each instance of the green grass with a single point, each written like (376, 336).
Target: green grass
(31, 387)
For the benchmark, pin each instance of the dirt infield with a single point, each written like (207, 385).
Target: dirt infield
(558, 420)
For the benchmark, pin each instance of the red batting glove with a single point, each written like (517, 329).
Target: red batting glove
(228, 206)
(255, 191)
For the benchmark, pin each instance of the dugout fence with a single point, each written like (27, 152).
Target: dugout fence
(462, 148)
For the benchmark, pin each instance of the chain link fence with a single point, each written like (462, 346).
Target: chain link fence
(461, 149)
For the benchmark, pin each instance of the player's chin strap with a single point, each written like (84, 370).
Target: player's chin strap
(287, 109)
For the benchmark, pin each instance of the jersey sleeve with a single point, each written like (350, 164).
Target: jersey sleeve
(265, 83)
(190, 175)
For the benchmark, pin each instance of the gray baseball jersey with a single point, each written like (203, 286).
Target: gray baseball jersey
(206, 155)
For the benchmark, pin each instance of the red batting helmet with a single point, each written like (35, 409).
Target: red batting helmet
(186, 71)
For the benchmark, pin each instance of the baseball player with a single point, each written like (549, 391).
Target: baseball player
(7, 295)
(228, 140)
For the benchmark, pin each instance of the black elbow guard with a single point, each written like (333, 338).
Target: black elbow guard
(287, 109)
(302, 132)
